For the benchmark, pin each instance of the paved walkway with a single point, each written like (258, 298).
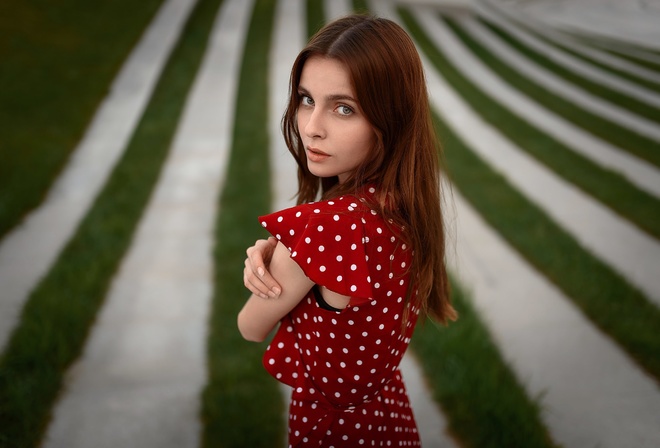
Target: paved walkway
(138, 381)
(27, 253)
(624, 247)
(637, 171)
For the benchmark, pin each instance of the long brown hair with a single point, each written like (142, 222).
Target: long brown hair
(388, 79)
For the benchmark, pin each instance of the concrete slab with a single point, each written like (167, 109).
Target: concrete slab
(515, 23)
(633, 22)
(638, 172)
(626, 249)
(28, 251)
(591, 393)
(139, 380)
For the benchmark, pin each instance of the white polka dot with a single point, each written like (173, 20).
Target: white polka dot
(353, 227)
(338, 238)
(321, 248)
(339, 258)
(263, 223)
(339, 278)
(336, 217)
(322, 268)
(353, 288)
(353, 267)
(308, 240)
(353, 246)
(298, 214)
(280, 219)
(320, 228)
(292, 232)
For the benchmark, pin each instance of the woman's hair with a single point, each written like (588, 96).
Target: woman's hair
(389, 82)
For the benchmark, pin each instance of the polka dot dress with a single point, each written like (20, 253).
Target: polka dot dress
(343, 365)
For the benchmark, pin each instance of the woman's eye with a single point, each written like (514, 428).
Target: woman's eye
(307, 101)
(344, 110)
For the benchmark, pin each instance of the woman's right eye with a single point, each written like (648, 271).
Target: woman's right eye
(306, 100)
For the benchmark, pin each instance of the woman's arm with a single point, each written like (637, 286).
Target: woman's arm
(256, 275)
(259, 316)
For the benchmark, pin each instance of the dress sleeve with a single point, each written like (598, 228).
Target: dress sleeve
(329, 246)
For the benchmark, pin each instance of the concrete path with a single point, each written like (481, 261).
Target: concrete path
(636, 171)
(590, 391)
(139, 381)
(633, 22)
(575, 64)
(618, 243)
(538, 20)
(598, 106)
(27, 253)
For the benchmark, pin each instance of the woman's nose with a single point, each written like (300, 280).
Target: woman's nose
(314, 128)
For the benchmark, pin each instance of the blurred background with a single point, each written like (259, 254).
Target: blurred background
(139, 141)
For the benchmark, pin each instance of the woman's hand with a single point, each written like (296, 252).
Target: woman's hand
(256, 275)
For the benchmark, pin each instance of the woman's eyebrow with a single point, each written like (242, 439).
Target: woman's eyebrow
(332, 97)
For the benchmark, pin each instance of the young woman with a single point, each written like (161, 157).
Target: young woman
(352, 272)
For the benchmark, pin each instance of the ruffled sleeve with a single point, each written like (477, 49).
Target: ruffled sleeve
(327, 240)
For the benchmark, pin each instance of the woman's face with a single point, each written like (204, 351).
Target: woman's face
(336, 134)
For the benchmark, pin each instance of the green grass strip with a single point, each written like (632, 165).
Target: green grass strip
(606, 298)
(651, 85)
(58, 316)
(58, 59)
(620, 53)
(360, 7)
(315, 17)
(607, 130)
(608, 187)
(242, 403)
(484, 403)
(634, 105)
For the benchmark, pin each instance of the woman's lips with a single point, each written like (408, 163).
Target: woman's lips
(316, 155)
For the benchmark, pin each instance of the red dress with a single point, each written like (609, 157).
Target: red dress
(343, 365)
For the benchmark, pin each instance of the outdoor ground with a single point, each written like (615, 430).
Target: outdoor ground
(140, 141)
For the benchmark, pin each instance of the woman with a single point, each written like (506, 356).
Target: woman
(352, 272)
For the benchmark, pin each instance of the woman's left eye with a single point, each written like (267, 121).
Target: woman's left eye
(344, 110)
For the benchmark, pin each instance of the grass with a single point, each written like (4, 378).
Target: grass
(607, 299)
(605, 185)
(651, 85)
(315, 16)
(474, 385)
(57, 317)
(614, 133)
(636, 106)
(242, 404)
(58, 59)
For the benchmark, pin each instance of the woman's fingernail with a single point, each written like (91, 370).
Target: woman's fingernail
(272, 294)
(261, 271)
(277, 291)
